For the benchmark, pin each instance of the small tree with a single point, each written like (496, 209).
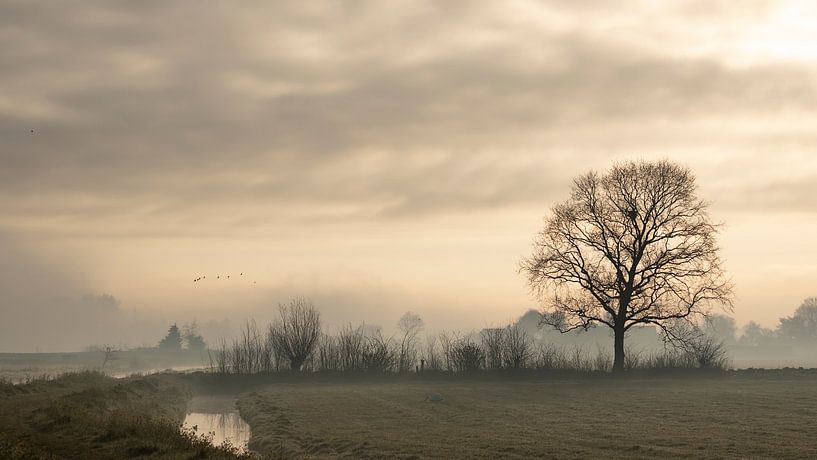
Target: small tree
(173, 339)
(295, 334)
(633, 246)
(410, 325)
(517, 347)
(493, 342)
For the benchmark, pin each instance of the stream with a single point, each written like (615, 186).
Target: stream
(217, 415)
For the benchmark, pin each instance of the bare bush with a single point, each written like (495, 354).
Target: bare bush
(493, 342)
(549, 357)
(380, 354)
(708, 353)
(633, 359)
(447, 342)
(517, 347)
(466, 356)
(328, 353)
(352, 345)
(602, 361)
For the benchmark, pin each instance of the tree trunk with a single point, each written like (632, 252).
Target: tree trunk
(296, 363)
(618, 361)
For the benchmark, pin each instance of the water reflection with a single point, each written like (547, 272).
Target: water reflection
(218, 416)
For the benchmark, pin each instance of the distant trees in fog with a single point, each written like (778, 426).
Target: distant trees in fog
(186, 337)
(173, 340)
(296, 341)
(410, 325)
(192, 339)
(801, 327)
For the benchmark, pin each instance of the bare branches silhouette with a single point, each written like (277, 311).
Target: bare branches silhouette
(632, 246)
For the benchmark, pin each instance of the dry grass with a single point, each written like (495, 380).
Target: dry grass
(726, 417)
(90, 416)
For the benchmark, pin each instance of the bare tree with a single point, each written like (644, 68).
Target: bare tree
(295, 334)
(351, 345)
(410, 325)
(518, 347)
(632, 246)
(493, 342)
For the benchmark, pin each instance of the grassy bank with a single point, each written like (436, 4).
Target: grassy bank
(762, 415)
(88, 415)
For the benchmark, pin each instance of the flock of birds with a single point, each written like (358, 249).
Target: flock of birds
(218, 277)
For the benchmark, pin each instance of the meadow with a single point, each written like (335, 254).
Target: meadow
(763, 414)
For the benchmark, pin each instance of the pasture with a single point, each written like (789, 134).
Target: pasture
(737, 415)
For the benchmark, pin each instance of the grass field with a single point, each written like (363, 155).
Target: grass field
(724, 417)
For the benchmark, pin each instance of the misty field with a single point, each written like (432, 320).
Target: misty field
(726, 417)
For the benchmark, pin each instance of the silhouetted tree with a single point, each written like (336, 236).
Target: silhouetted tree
(173, 339)
(295, 334)
(802, 325)
(632, 246)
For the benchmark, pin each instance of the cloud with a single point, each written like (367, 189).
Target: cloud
(182, 113)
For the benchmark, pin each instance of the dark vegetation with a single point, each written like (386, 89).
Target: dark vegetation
(364, 349)
(89, 415)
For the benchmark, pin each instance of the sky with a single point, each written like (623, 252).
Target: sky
(376, 157)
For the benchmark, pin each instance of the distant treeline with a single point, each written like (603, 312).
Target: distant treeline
(296, 342)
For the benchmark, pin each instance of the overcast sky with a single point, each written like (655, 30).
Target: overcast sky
(377, 156)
